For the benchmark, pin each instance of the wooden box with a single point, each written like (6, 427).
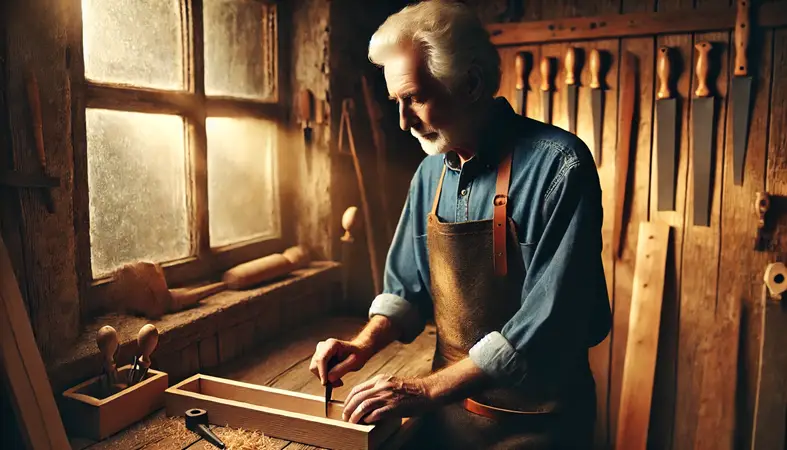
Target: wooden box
(88, 415)
(275, 412)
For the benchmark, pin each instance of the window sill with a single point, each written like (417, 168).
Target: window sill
(216, 330)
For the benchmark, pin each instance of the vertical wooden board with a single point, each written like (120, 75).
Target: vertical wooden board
(189, 362)
(557, 51)
(738, 225)
(228, 344)
(642, 345)
(599, 355)
(776, 181)
(640, 6)
(700, 255)
(208, 353)
(637, 197)
(662, 419)
(268, 321)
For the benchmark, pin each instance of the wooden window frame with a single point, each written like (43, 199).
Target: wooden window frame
(194, 107)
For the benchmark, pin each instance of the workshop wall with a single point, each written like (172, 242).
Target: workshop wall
(709, 269)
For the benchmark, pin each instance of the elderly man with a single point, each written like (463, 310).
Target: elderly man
(499, 241)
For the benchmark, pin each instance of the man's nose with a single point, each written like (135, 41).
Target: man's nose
(405, 116)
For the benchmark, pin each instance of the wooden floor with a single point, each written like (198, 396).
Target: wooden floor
(284, 364)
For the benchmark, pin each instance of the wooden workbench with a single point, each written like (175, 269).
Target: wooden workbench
(282, 363)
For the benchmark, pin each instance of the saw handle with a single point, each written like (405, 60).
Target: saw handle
(571, 64)
(703, 49)
(546, 81)
(594, 63)
(664, 70)
(742, 33)
(519, 66)
(147, 340)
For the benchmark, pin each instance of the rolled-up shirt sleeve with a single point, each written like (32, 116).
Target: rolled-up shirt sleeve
(404, 290)
(564, 302)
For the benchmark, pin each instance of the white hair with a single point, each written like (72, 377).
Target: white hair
(450, 36)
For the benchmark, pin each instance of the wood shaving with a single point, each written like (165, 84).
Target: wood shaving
(240, 439)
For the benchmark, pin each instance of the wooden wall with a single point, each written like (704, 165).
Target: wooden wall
(711, 269)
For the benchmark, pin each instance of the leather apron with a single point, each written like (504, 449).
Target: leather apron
(477, 271)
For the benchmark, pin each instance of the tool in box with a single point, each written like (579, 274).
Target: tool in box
(197, 423)
(147, 339)
(107, 341)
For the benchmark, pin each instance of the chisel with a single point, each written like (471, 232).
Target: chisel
(741, 92)
(147, 339)
(572, 89)
(702, 110)
(666, 116)
(546, 89)
(107, 341)
(597, 102)
(519, 70)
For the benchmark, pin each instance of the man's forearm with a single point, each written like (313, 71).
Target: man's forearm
(457, 381)
(377, 334)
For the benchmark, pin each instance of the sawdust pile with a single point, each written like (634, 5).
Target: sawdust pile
(175, 431)
(240, 439)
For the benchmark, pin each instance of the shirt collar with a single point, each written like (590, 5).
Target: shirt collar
(496, 137)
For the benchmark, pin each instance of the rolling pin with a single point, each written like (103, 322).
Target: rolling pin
(142, 286)
(147, 340)
(107, 341)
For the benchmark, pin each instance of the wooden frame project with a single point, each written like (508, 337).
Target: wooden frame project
(276, 412)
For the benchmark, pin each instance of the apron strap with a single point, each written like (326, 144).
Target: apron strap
(500, 216)
(437, 194)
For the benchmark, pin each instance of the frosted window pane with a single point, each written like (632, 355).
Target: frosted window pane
(240, 53)
(136, 42)
(242, 193)
(137, 188)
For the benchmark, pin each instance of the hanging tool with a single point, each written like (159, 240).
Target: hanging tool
(305, 108)
(741, 91)
(597, 102)
(107, 341)
(666, 116)
(34, 102)
(546, 89)
(344, 124)
(521, 84)
(628, 95)
(147, 339)
(702, 111)
(572, 88)
(197, 423)
(762, 205)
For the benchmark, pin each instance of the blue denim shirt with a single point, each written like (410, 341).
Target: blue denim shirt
(555, 202)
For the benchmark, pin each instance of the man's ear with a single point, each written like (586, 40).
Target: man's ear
(475, 83)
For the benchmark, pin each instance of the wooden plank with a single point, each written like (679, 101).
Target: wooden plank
(700, 258)
(642, 345)
(633, 24)
(663, 406)
(625, 147)
(738, 225)
(279, 413)
(637, 198)
(24, 369)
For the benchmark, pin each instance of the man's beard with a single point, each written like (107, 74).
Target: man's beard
(435, 144)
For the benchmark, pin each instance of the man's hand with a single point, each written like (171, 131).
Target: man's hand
(350, 357)
(385, 396)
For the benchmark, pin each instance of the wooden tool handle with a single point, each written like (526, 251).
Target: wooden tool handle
(546, 82)
(776, 279)
(350, 221)
(571, 64)
(305, 102)
(594, 63)
(742, 32)
(255, 272)
(107, 340)
(147, 340)
(298, 255)
(519, 70)
(183, 298)
(703, 49)
(762, 205)
(664, 70)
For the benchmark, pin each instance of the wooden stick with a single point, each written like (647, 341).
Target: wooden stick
(771, 15)
(628, 95)
(31, 393)
(375, 116)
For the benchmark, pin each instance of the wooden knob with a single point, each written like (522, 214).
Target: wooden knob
(761, 205)
(703, 49)
(519, 69)
(570, 64)
(594, 64)
(107, 340)
(546, 82)
(664, 69)
(742, 32)
(147, 339)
